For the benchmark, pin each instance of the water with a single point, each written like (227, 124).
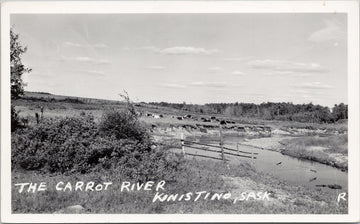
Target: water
(293, 170)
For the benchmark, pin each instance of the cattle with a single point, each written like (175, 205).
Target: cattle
(180, 118)
(37, 118)
(205, 119)
(267, 129)
(222, 122)
(187, 116)
(213, 118)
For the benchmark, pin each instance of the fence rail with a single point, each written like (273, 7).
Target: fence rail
(214, 149)
(215, 146)
(217, 151)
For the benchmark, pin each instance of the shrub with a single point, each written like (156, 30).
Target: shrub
(75, 145)
(55, 144)
(15, 119)
(123, 124)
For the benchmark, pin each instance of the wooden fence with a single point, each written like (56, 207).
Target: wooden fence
(220, 149)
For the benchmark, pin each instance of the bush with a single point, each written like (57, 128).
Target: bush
(15, 120)
(122, 125)
(53, 145)
(76, 145)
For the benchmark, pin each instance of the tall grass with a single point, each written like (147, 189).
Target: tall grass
(303, 147)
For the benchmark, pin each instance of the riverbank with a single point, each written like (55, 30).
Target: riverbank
(330, 150)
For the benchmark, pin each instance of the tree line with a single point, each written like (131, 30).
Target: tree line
(268, 111)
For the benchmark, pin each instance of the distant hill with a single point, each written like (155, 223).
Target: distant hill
(44, 96)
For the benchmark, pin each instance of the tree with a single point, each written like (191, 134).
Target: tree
(16, 67)
(340, 111)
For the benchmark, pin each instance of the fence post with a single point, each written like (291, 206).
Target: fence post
(221, 144)
(182, 143)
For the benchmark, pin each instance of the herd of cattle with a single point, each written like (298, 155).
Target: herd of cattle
(189, 116)
(214, 122)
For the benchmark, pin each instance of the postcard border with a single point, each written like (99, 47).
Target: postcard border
(349, 7)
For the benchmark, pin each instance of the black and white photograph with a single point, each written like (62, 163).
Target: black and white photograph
(180, 109)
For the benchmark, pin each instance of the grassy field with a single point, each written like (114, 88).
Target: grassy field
(193, 176)
(76, 129)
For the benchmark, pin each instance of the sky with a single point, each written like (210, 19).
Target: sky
(192, 58)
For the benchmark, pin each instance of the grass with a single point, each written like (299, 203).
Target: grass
(325, 150)
(193, 176)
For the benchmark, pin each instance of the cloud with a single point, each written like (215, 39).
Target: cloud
(215, 69)
(209, 84)
(312, 85)
(150, 48)
(155, 67)
(286, 67)
(199, 84)
(236, 72)
(181, 50)
(102, 61)
(300, 91)
(72, 44)
(93, 72)
(288, 73)
(238, 58)
(84, 59)
(306, 92)
(172, 85)
(101, 45)
(332, 32)
(306, 96)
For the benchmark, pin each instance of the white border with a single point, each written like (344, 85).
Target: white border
(349, 7)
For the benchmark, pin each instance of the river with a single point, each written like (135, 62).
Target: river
(290, 169)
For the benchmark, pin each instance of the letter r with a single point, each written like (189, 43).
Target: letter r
(341, 196)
